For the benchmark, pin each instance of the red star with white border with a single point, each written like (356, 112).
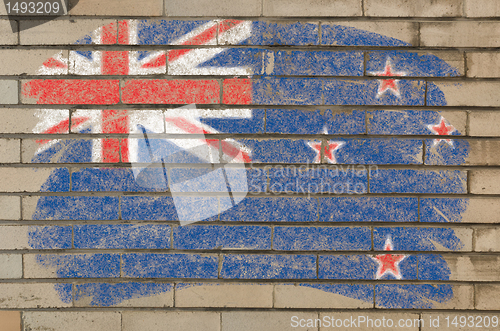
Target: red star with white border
(330, 148)
(442, 129)
(388, 263)
(388, 84)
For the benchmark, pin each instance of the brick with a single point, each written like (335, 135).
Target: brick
(122, 236)
(176, 321)
(9, 92)
(323, 296)
(360, 266)
(476, 94)
(484, 123)
(39, 237)
(62, 91)
(11, 320)
(297, 121)
(170, 92)
(72, 266)
(471, 210)
(302, 238)
(486, 240)
(272, 33)
(483, 152)
(367, 33)
(412, 122)
(222, 237)
(7, 37)
(424, 239)
(485, 181)
(224, 295)
(15, 120)
(11, 266)
(412, 8)
(424, 296)
(485, 64)
(213, 8)
(32, 295)
(264, 321)
(253, 266)
(444, 321)
(311, 8)
(320, 180)
(482, 8)
(368, 209)
(76, 151)
(477, 268)
(368, 321)
(29, 62)
(279, 209)
(10, 150)
(116, 8)
(459, 34)
(34, 179)
(418, 181)
(487, 296)
(58, 32)
(10, 208)
(129, 294)
(169, 266)
(72, 321)
(70, 208)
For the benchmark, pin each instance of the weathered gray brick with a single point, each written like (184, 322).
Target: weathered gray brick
(483, 152)
(9, 150)
(176, 321)
(23, 179)
(483, 64)
(487, 240)
(10, 208)
(7, 37)
(487, 296)
(484, 123)
(401, 30)
(213, 7)
(312, 8)
(9, 92)
(485, 181)
(11, 266)
(224, 295)
(414, 8)
(29, 62)
(478, 268)
(117, 8)
(31, 295)
(295, 296)
(264, 321)
(466, 93)
(58, 32)
(72, 321)
(482, 8)
(460, 34)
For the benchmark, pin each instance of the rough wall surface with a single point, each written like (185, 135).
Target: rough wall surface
(248, 165)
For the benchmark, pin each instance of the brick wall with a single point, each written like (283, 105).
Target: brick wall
(341, 165)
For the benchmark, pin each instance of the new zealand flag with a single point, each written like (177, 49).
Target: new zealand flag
(294, 162)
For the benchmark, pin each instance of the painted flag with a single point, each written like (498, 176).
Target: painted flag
(293, 163)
